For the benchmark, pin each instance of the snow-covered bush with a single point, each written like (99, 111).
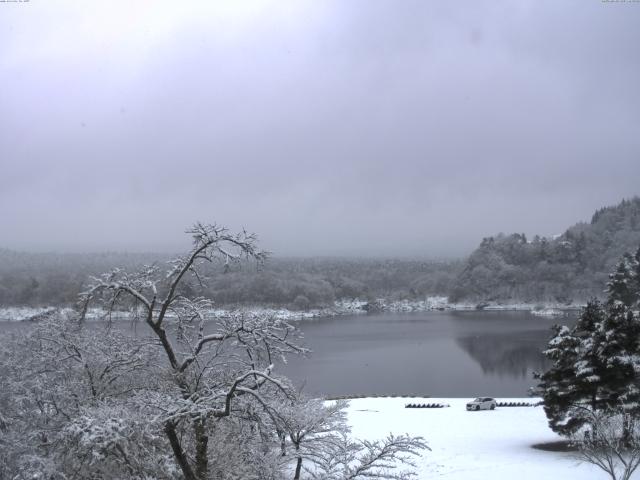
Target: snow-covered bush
(611, 441)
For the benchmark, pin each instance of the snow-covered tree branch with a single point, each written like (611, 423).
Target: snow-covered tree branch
(390, 458)
(611, 442)
(189, 396)
(210, 362)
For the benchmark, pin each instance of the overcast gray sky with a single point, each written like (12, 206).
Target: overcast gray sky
(327, 127)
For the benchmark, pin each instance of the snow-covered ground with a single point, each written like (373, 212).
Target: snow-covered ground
(21, 314)
(442, 303)
(548, 312)
(340, 307)
(350, 307)
(484, 445)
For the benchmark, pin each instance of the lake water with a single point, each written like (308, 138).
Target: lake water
(440, 354)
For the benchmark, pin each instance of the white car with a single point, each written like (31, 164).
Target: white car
(482, 403)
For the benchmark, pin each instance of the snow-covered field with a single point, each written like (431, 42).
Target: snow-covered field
(484, 445)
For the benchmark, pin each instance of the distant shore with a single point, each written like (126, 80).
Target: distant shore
(341, 307)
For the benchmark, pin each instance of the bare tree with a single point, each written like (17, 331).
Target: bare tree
(193, 397)
(611, 441)
(319, 435)
(312, 426)
(209, 362)
(391, 458)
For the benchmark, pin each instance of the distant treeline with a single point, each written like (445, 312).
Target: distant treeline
(56, 279)
(49, 279)
(571, 267)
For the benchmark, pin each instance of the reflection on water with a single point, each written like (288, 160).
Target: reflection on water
(430, 353)
(507, 355)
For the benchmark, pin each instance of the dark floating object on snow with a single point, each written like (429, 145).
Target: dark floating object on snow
(425, 405)
(443, 405)
(372, 395)
(516, 404)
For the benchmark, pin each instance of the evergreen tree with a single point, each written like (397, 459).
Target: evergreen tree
(596, 364)
(574, 382)
(555, 385)
(636, 258)
(589, 379)
(623, 282)
(620, 354)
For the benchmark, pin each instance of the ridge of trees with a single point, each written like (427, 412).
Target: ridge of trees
(48, 279)
(569, 268)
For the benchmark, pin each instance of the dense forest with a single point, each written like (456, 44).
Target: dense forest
(572, 267)
(44, 279)
(569, 268)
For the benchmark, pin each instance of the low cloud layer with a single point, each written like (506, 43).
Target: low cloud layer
(329, 128)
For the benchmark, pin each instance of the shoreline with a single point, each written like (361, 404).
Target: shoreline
(340, 308)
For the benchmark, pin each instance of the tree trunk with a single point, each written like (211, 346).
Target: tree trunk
(202, 442)
(283, 443)
(298, 465)
(181, 458)
(298, 469)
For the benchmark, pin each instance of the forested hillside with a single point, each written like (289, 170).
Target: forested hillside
(45, 279)
(571, 267)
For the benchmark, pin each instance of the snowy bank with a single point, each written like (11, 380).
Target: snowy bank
(482, 445)
(548, 312)
(442, 303)
(340, 307)
(350, 307)
(23, 314)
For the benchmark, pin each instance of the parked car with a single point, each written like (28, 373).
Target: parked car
(482, 403)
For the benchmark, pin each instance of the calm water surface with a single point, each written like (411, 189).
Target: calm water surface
(456, 354)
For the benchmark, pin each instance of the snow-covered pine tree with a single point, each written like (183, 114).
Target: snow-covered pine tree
(623, 282)
(596, 364)
(555, 385)
(574, 380)
(589, 368)
(620, 331)
(619, 351)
